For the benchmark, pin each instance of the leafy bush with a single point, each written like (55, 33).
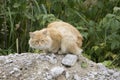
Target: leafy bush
(104, 40)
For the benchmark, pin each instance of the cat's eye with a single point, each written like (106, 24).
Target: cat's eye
(37, 41)
(42, 40)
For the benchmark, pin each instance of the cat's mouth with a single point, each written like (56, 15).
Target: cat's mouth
(36, 46)
(40, 45)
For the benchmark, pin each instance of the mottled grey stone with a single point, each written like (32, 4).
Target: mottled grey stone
(49, 76)
(110, 71)
(94, 73)
(101, 78)
(69, 60)
(85, 78)
(105, 73)
(67, 75)
(8, 61)
(52, 59)
(38, 67)
(91, 75)
(118, 78)
(101, 66)
(16, 71)
(116, 74)
(76, 77)
(56, 71)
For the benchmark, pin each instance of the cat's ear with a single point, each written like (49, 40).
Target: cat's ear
(45, 32)
(31, 34)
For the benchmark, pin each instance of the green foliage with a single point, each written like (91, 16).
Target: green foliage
(17, 19)
(106, 37)
(97, 20)
(108, 63)
(84, 65)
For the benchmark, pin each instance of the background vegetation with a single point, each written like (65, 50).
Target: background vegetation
(97, 20)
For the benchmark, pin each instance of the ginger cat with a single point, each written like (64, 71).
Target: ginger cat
(66, 30)
(58, 37)
(46, 39)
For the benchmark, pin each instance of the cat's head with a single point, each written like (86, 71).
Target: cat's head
(40, 39)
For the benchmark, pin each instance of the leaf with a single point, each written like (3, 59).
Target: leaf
(44, 9)
(84, 65)
(107, 63)
(16, 5)
(95, 48)
(115, 44)
(85, 34)
(29, 16)
(110, 16)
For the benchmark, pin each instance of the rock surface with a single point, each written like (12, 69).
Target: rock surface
(31, 66)
(69, 60)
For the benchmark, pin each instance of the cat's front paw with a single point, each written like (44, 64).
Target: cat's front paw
(60, 52)
(80, 51)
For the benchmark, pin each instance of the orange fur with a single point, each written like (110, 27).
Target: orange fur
(71, 37)
(48, 40)
(57, 35)
(68, 28)
(56, 39)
